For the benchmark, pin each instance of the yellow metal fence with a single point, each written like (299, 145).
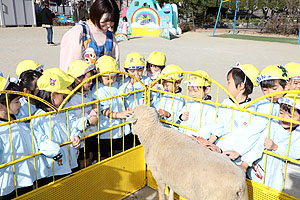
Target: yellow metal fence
(124, 173)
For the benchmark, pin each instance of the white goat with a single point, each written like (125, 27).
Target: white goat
(190, 170)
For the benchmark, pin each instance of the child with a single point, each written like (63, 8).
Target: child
(277, 141)
(240, 83)
(111, 112)
(19, 136)
(28, 65)
(28, 84)
(198, 115)
(294, 74)
(81, 71)
(168, 106)
(50, 134)
(134, 65)
(124, 26)
(155, 64)
(271, 79)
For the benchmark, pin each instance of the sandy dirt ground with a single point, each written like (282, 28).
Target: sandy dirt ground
(191, 51)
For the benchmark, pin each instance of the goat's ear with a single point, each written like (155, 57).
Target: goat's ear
(131, 119)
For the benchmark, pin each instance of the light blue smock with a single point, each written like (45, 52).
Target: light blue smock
(24, 170)
(252, 133)
(48, 145)
(78, 122)
(201, 118)
(137, 98)
(24, 109)
(274, 166)
(114, 105)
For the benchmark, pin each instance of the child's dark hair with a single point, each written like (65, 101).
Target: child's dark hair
(239, 77)
(13, 87)
(149, 64)
(100, 7)
(47, 97)
(271, 83)
(74, 84)
(125, 19)
(27, 78)
(288, 108)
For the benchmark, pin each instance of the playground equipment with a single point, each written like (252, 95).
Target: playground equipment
(147, 18)
(235, 12)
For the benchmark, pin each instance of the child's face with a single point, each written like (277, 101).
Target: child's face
(198, 92)
(294, 84)
(138, 73)
(276, 88)
(58, 98)
(87, 86)
(285, 114)
(154, 69)
(234, 91)
(106, 80)
(170, 86)
(14, 106)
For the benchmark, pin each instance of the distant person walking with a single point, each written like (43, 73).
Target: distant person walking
(47, 18)
(80, 13)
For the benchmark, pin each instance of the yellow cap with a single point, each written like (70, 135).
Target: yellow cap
(4, 82)
(157, 58)
(107, 64)
(52, 82)
(170, 69)
(293, 70)
(62, 74)
(289, 100)
(78, 68)
(273, 72)
(199, 80)
(250, 71)
(134, 61)
(28, 65)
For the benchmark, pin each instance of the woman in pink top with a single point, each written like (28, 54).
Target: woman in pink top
(124, 26)
(90, 40)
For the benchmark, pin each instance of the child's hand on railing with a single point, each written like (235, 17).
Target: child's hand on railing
(270, 145)
(155, 86)
(76, 142)
(93, 120)
(185, 116)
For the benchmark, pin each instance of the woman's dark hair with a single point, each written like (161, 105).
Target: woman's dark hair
(149, 64)
(13, 87)
(239, 77)
(27, 78)
(100, 7)
(288, 108)
(271, 83)
(47, 97)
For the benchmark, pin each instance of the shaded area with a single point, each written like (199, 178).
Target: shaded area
(260, 38)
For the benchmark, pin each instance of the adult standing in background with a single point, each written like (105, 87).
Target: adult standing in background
(90, 40)
(47, 21)
(80, 13)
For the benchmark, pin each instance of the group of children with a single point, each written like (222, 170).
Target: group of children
(109, 100)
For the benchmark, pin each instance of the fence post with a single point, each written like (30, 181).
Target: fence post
(217, 18)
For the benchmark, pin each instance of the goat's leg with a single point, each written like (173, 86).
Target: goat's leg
(161, 191)
(171, 194)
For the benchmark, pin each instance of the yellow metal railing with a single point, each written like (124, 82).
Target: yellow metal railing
(147, 94)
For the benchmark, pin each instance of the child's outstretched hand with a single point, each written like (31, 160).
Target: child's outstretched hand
(185, 116)
(155, 86)
(125, 114)
(76, 142)
(93, 120)
(232, 154)
(163, 113)
(270, 145)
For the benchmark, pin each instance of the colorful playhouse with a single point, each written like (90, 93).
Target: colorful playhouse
(147, 18)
